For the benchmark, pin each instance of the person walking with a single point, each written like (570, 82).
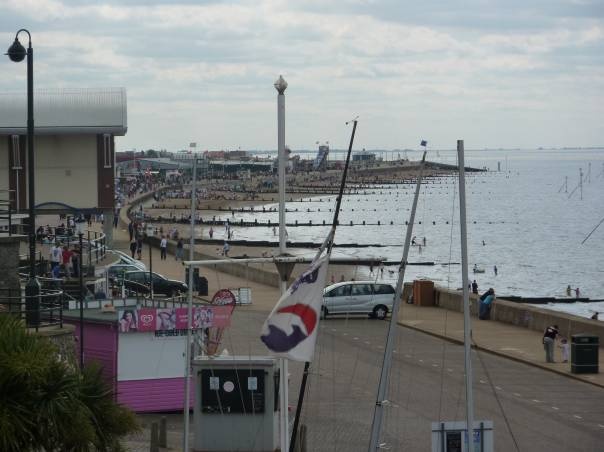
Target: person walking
(131, 231)
(139, 247)
(56, 255)
(568, 290)
(179, 249)
(495, 269)
(66, 260)
(75, 262)
(549, 337)
(133, 247)
(225, 249)
(475, 287)
(577, 293)
(163, 247)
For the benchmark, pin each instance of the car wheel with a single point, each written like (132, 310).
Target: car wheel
(380, 312)
(171, 293)
(323, 312)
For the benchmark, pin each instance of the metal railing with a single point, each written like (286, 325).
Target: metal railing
(41, 311)
(94, 246)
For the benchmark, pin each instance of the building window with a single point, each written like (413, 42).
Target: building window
(107, 150)
(16, 153)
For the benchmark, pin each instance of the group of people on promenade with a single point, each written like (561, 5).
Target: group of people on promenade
(64, 260)
(136, 232)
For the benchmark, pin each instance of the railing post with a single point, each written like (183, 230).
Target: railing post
(10, 223)
(89, 252)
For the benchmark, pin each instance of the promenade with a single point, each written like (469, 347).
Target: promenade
(418, 361)
(506, 340)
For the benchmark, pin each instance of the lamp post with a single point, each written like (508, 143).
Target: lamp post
(81, 277)
(281, 86)
(17, 53)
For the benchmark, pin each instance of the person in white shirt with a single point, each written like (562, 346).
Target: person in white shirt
(565, 347)
(56, 254)
(163, 246)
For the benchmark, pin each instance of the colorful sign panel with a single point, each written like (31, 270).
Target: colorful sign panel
(171, 319)
(224, 299)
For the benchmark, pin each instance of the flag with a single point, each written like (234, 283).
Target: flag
(424, 143)
(290, 331)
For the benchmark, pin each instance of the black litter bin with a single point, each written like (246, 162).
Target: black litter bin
(202, 286)
(584, 350)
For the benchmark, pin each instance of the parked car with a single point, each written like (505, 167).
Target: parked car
(116, 272)
(358, 297)
(125, 259)
(139, 281)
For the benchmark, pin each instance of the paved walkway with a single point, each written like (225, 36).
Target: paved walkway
(510, 341)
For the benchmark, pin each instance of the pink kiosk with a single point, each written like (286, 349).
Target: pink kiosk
(142, 350)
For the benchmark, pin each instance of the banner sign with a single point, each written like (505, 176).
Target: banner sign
(223, 299)
(173, 319)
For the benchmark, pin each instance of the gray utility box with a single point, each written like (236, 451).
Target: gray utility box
(584, 353)
(453, 437)
(236, 404)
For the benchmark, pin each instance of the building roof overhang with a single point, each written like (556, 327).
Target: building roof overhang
(66, 112)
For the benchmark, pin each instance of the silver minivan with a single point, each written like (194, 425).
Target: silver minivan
(358, 297)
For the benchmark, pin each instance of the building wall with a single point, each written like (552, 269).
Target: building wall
(66, 170)
(77, 170)
(100, 345)
(150, 372)
(162, 394)
(142, 356)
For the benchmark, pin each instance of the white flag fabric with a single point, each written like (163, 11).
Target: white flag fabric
(290, 331)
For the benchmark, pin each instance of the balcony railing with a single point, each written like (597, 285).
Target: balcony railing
(50, 312)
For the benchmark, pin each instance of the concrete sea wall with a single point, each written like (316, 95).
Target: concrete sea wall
(522, 315)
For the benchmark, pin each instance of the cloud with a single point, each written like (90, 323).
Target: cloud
(393, 62)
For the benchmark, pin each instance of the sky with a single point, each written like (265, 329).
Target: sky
(509, 73)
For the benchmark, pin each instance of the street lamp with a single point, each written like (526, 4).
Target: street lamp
(17, 53)
(284, 272)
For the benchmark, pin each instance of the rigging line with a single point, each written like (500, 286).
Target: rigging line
(573, 192)
(333, 390)
(592, 231)
(327, 244)
(444, 344)
(387, 355)
(488, 376)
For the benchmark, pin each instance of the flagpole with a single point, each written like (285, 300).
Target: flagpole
(336, 214)
(387, 360)
(190, 310)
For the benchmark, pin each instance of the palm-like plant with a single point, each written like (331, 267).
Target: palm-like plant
(45, 403)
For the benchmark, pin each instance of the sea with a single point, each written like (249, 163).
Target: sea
(528, 215)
